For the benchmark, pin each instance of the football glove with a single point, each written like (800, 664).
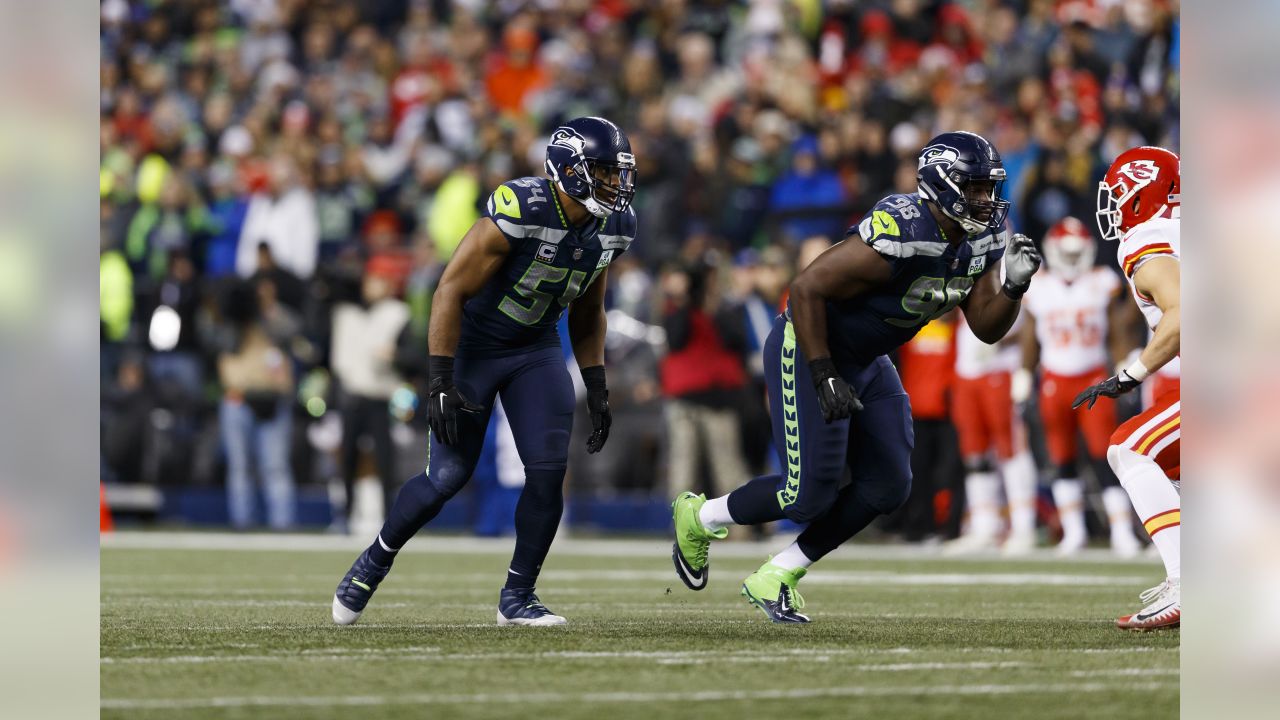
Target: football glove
(1114, 386)
(837, 399)
(597, 406)
(445, 401)
(1021, 261)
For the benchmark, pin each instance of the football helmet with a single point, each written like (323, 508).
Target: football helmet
(963, 174)
(1069, 249)
(1142, 183)
(590, 159)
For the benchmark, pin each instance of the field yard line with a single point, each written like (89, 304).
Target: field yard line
(672, 657)
(586, 547)
(616, 697)
(819, 577)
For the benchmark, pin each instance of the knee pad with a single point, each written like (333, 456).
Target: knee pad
(1122, 460)
(448, 478)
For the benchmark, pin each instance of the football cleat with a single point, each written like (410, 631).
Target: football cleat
(1124, 543)
(1071, 545)
(1018, 544)
(1163, 610)
(522, 607)
(773, 590)
(356, 588)
(969, 544)
(689, 552)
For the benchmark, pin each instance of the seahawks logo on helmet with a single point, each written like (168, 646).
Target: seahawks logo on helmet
(938, 155)
(569, 138)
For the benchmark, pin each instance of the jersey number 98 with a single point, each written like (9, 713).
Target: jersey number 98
(931, 297)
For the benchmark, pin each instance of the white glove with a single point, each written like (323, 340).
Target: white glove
(1021, 261)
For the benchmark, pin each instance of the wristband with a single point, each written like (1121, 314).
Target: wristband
(441, 368)
(1137, 370)
(593, 377)
(1013, 292)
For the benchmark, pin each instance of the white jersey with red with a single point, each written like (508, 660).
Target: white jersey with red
(975, 359)
(1071, 320)
(1154, 238)
(1157, 431)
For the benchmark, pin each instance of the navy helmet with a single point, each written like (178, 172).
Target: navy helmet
(963, 174)
(590, 159)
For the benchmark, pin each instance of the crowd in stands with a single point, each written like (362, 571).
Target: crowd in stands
(282, 182)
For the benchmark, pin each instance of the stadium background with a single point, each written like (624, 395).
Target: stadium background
(357, 141)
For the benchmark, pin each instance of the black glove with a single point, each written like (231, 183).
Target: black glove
(837, 398)
(1113, 386)
(598, 406)
(445, 401)
(1021, 261)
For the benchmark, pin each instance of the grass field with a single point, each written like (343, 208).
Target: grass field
(215, 626)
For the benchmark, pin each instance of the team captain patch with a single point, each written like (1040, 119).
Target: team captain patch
(546, 252)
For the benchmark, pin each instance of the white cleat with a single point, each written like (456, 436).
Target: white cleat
(342, 615)
(969, 544)
(1071, 545)
(1018, 544)
(1163, 610)
(1125, 544)
(543, 621)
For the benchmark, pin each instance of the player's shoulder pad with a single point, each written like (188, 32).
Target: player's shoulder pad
(619, 231)
(1148, 240)
(895, 228)
(522, 208)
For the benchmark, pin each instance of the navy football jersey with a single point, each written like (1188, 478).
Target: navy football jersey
(550, 265)
(930, 277)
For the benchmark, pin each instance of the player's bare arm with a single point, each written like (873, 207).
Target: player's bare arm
(479, 256)
(1160, 280)
(1123, 321)
(992, 307)
(587, 328)
(843, 271)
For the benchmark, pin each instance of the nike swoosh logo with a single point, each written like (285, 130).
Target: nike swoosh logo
(832, 382)
(1147, 616)
(357, 583)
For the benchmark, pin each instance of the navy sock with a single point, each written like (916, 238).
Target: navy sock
(537, 518)
(380, 555)
(848, 515)
(415, 506)
(757, 501)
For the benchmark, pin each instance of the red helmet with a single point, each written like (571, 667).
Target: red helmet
(1141, 183)
(1069, 249)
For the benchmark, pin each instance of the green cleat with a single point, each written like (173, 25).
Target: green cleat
(773, 590)
(689, 552)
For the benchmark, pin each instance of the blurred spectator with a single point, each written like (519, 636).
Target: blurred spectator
(282, 215)
(363, 360)
(703, 376)
(808, 198)
(256, 375)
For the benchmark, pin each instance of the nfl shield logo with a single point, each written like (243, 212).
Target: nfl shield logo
(577, 254)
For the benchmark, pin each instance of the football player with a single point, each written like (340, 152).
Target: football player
(1074, 315)
(992, 445)
(543, 245)
(1139, 204)
(835, 397)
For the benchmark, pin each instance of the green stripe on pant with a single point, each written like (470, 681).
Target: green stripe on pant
(790, 418)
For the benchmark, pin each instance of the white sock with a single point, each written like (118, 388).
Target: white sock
(715, 513)
(1068, 495)
(1119, 512)
(983, 490)
(1019, 474)
(791, 558)
(1155, 500)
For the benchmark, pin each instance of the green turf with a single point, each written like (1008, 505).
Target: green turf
(241, 634)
